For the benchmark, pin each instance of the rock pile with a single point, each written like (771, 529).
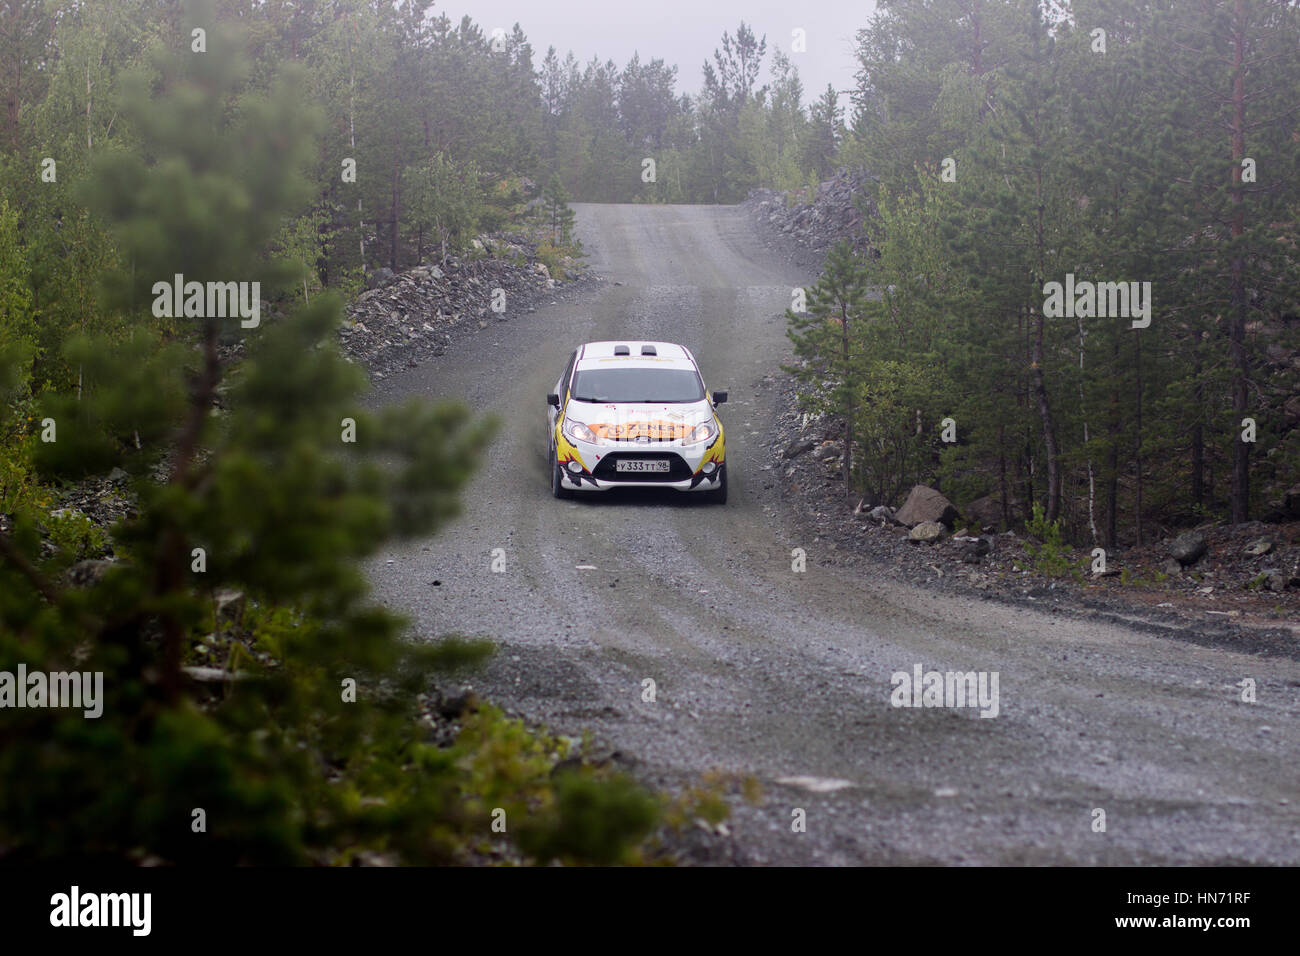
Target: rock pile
(1215, 574)
(925, 505)
(406, 317)
(818, 221)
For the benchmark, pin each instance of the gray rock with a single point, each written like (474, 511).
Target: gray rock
(974, 549)
(831, 449)
(229, 606)
(214, 675)
(927, 532)
(985, 512)
(1188, 547)
(380, 278)
(1171, 567)
(798, 447)
(926, 505)
(1273, 579)
(1291, 411)
(85, 573)
(1291, 502)
(1260, 547)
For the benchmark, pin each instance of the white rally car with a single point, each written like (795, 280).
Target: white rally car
(635, 414)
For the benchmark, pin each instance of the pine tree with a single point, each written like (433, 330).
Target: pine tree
(825, 133)
(262, 498)
(825, 335)
(556, 213)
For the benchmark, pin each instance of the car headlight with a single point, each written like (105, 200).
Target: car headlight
(700, 433)
(576, 431)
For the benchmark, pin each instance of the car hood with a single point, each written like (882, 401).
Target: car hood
(655, 420)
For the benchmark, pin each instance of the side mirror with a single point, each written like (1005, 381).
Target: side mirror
(552, 399)
(719, 398)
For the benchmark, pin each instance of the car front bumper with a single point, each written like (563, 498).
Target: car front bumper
(589, 466)
(698, 482)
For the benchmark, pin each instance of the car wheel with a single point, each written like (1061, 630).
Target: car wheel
(557, 479)
(718, 495)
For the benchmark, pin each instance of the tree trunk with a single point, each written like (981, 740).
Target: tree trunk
(1092, 483)
(1045, 415)
(397, 166)
(1036, 367)
(352, 141)
(1002, 477)
(1111, 537)
(849, 404)
(1198, 434)
(1237, 316)
(1137, 441)
(170, 571)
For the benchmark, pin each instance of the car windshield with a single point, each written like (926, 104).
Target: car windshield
(638, 385)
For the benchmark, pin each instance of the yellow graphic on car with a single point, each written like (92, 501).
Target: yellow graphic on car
(657, 430)
(566, 451)
(716, 453)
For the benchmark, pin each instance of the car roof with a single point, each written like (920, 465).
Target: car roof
(634, 354)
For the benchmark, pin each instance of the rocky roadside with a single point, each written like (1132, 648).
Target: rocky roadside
(402, 319)
(399, 321)
(1236, 587)
(815, 221)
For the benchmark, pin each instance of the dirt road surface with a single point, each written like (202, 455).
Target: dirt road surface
(781, 675)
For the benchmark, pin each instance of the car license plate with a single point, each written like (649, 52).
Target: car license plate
(659, 464)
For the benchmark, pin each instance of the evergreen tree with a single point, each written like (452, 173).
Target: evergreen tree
(556, 214)
(826, 336)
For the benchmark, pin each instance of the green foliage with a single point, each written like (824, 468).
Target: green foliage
(75, 534)
(557, 217)
(998, 165)
(892, 395)
(244, 485)
(593, 821)
(445, 200)
(550, 256)
(1045, 545)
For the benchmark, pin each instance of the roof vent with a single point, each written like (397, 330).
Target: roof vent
(648, 350)
(622, 350)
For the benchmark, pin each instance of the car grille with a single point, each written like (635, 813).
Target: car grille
(678, 470)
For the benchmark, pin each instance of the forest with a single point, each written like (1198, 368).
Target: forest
(1077, 303)
(1016, 150)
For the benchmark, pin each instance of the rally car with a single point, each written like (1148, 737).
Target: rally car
(635, 414)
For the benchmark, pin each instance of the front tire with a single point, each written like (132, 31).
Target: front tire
(718, 496)
(557, 479)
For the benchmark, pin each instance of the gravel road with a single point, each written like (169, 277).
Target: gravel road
(785, 676)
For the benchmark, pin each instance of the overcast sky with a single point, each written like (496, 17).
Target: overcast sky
(682, 32)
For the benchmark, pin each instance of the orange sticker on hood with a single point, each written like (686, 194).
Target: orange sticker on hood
(628, 431)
